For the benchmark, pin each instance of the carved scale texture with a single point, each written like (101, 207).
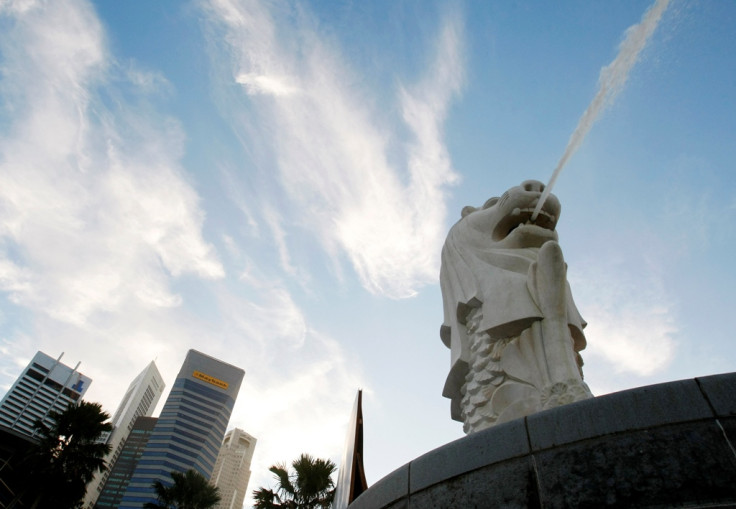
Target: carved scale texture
(483, 378)
(486, 375)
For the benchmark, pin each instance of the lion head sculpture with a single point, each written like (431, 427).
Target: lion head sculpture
(507, 221)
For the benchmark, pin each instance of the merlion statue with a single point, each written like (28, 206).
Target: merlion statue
(510, 322)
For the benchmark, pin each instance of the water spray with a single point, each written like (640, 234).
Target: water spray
(610, 82)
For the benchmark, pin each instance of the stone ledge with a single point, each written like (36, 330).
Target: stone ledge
(390, 489)
(719, 390)
(640, 408)
(657, 446)
(505, 441)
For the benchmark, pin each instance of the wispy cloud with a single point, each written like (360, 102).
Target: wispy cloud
(332, 142)
(98, 220)
(146, 80)
(91, 215)
(262, 84)
(631, 318)
(98, 223)
(102, 239)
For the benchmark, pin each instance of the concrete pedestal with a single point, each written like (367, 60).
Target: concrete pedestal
(666, 445)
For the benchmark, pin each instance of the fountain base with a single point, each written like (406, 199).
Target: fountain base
(666, 445)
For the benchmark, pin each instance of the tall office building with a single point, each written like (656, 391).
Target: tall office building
(190, 428)
(232, 468)
(122, 470)
(45, 385)
(140, 400)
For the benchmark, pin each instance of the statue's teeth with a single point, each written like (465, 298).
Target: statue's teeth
(516, 211)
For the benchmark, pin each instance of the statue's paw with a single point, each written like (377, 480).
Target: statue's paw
(515, 362)
(546, 280)
(512, 397)
(562, 393)
(519, 409)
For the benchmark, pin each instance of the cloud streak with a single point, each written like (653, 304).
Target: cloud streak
(91, 215)
(631, 318)
(332, 146)
(102, 243)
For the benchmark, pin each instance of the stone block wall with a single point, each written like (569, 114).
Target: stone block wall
(665, 445)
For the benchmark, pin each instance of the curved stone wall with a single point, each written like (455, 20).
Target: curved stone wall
(665, 445)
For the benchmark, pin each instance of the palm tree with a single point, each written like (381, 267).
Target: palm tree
(191, 490)
(67, 455)
(310, 486)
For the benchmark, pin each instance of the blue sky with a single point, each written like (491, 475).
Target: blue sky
(271, 183)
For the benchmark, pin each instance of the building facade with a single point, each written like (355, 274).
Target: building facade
(191, 426)
(46, 385)
(140, 400)
(111, 493)
(232, 468)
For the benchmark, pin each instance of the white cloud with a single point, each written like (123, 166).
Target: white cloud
(279, 235)
(261, 84)
(94, 207)
(99, 225)
(241, 197)
(333, 145)
(147, 81)
(631, 320)
(16, 356)
(271, 321)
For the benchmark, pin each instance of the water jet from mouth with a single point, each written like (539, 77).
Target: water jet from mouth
(610, 82)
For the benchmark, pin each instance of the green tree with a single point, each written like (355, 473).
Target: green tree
(190, 490)
(67, 455)
(309, 486)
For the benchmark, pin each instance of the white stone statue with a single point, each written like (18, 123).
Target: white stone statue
(510, 322)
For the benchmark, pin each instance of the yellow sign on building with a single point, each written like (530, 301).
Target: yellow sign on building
(210, 379)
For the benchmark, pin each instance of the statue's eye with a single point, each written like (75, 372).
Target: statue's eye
(491, 202)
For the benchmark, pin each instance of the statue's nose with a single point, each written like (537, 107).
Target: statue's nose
(533, 186)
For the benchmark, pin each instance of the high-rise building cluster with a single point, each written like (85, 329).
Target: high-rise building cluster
(190, 432)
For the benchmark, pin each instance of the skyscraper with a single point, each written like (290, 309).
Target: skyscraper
(45, 385)
(140, 400)
(232, 468)
(190, 428)
(122, 470)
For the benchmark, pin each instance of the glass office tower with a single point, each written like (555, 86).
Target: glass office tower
(140, 400)
(190, 428)
(122, 470)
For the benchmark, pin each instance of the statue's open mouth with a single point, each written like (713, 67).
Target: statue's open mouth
(522, 218)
